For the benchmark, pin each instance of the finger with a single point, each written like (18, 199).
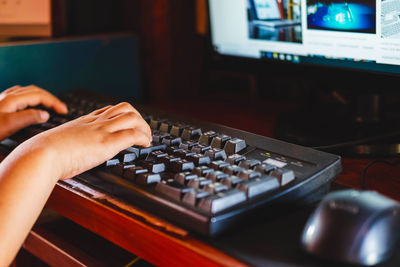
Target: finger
(101, 110)
(127, 120)
(21, 89)
(120, 108)
(12, 89)
(58, 105)
(19, 101)
(18, 120)
(130, 137)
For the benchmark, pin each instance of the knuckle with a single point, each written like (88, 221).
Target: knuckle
(131, 116)
(126, 105)
(33, 87)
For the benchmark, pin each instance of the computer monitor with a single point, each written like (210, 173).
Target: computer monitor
(360, 34)
(353, 36)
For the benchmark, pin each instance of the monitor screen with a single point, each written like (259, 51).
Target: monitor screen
(359, 34)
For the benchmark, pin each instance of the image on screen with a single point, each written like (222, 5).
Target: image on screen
(275, 20)
(350, 16)
(390, 19)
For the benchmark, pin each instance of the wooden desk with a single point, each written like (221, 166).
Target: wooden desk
(139, 232)
(160, 242)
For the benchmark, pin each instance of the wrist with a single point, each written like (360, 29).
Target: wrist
(37, 156)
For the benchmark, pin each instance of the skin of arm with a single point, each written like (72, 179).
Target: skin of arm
(29, 173)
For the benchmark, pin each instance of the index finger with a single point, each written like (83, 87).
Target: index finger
(34, 97)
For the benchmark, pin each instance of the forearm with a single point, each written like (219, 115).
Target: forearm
(26, 181)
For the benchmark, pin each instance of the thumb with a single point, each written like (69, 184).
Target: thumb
(21, 119)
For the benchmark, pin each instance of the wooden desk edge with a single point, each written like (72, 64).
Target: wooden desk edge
(133, 235)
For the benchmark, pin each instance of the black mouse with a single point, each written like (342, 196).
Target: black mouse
(360, 227)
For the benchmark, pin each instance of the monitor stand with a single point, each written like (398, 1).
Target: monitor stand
(367, 126)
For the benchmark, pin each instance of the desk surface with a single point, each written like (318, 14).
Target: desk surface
(273, 239)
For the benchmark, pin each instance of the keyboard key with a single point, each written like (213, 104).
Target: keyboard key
(172, 141)
(166, 176)
(219, 165)
(284, 176)
(221, 201)
(184, 177)
(172, 188)
(216, 176)
(155, 123)
(132, 172)
(214, 188)
(191, 133)
(205, 138)
(165, 127)
(130, 154)
(148, 178)
(202, 170)
(145, 151)
(234, 146)
(152, 166)
(173, 149)
(177, 129)
(216, 154)
(199, 159)
(193, 197)
(264, 168)
(249, 163)
(112, 162)
(232, 169)
(219, 141)
(258, 186)
(200, 149)
(188, 144)
(235, 159)
(159, 136)
(184, 153)
(168, 159)
(232, 181)
(181, 165)
(119, 168)
(248, 174)
(156, 155)
(198, 182)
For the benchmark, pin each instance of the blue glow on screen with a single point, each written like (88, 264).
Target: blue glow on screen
(342, 16)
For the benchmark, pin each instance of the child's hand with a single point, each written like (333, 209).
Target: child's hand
(28, 174)
(86, 142)
(13, 103)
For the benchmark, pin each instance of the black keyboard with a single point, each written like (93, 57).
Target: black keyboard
(202, 176)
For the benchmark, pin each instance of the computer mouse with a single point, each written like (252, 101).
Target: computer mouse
(359, 227)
